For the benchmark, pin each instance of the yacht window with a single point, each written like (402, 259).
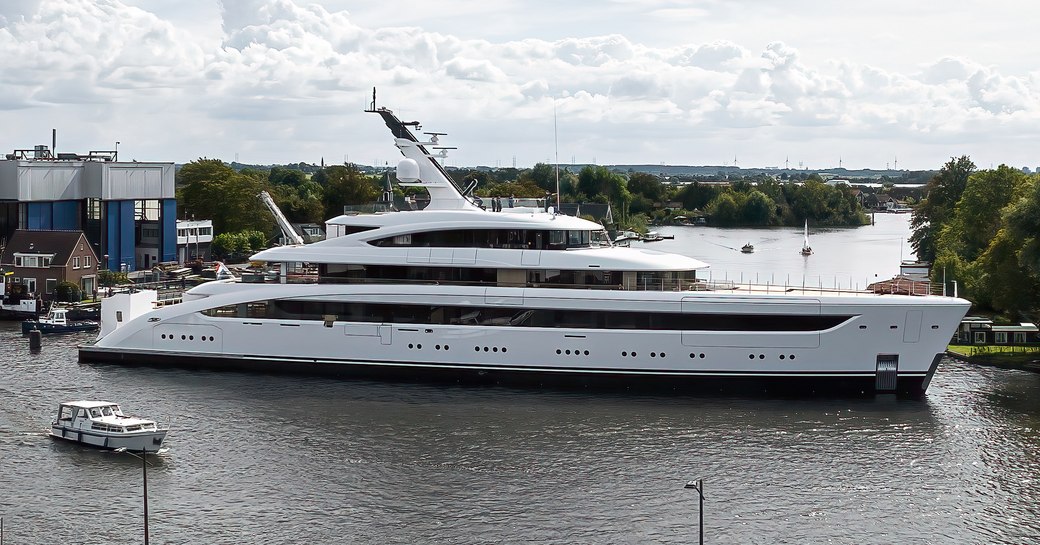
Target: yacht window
(94, 413)
(82, 413)
(557, 238)
(107, 411)
(574, 238)
(403, 240)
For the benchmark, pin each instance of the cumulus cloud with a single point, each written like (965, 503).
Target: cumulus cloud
(286, 68)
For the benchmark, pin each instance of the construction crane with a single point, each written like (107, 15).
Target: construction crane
(291, 236)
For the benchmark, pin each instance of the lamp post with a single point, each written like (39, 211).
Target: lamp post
(698, 485)
(117, 152)
(144, 470)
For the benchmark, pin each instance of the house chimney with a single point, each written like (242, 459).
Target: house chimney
(54, 142)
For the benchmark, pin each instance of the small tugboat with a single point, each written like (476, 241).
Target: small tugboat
(103, 424)
(56, 321)
(747, 248)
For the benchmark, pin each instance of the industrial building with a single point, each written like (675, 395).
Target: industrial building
(127, 210)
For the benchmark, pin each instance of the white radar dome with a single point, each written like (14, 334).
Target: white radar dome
(408, 171)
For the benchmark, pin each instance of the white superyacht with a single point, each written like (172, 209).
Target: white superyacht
(527, 296)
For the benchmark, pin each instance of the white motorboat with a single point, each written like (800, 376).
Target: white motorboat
(103, 424)
(456, 293)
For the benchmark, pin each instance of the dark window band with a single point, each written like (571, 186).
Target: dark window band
(520, 317)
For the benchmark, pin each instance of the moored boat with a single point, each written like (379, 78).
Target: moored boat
(57, 321)
(747, 248)
(457, 293)
(103, 424)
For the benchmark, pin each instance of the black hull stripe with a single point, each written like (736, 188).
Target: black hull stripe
(799, 383)
(101, 355)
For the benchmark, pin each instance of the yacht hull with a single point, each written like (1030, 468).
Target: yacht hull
(835, 382)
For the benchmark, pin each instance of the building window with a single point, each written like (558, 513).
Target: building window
(1000, 337)
(45, 262)
(980, 337)
(18, 261)
(86, 262)
(49, 285)
(75, 262)
(1020, 337)
(30, 284)
(205, 231)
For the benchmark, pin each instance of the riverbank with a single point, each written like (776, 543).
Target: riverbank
(1006, 357)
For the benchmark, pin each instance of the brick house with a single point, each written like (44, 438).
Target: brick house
(39, 260)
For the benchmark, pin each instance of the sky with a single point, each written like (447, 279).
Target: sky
(802, 83)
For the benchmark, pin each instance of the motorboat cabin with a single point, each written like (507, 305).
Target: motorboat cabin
(103, 424)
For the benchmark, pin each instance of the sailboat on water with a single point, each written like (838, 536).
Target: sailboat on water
(806, 249)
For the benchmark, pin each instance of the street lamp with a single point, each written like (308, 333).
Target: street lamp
(698, 485)
(117, 152)
(144, 470)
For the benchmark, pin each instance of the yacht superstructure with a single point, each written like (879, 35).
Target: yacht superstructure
(456, 292)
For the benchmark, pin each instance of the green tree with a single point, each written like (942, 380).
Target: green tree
(942, 194)
(212, 189)
(346, 185)
(287, 176)
(67, 292)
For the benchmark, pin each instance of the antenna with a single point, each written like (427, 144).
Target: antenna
(897, 163)
(786, 161)
(372, 108)
(839, 161)
(556, 145)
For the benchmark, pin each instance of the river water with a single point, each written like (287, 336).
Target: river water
(258, 458)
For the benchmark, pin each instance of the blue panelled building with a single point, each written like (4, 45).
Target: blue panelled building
(127, 210)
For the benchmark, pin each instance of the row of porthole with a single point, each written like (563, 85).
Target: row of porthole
(569, 352)
(419, 346)
(187, 337)
(489, 349)
(652, 354)
(763, 356)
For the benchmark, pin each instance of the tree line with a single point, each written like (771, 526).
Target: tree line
(982, 229)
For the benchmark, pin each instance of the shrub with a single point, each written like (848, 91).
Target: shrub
(67, 292)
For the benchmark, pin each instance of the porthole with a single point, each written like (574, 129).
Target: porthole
(702, 355)
(495, 349)
(586, 352)
(568, 352)
(476, 349)
(418, 346)
(191, 337)
(624, 354)
(893, 327)
(751, 356)
(486, 349)
(558, 351)
(761, 356)
(662, 354)
(792, 356)
(164, 335)
(183, 337)
(692, 355)
(862, 327)
(503, 349)
(446, 347)
(653, 354)
(437, 347)
(782, 356)
(410, 345)
(211, 337)
(633, 354)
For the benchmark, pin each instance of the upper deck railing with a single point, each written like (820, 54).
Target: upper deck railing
(911, 288)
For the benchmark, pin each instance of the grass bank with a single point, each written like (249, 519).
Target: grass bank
(1015, 357)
